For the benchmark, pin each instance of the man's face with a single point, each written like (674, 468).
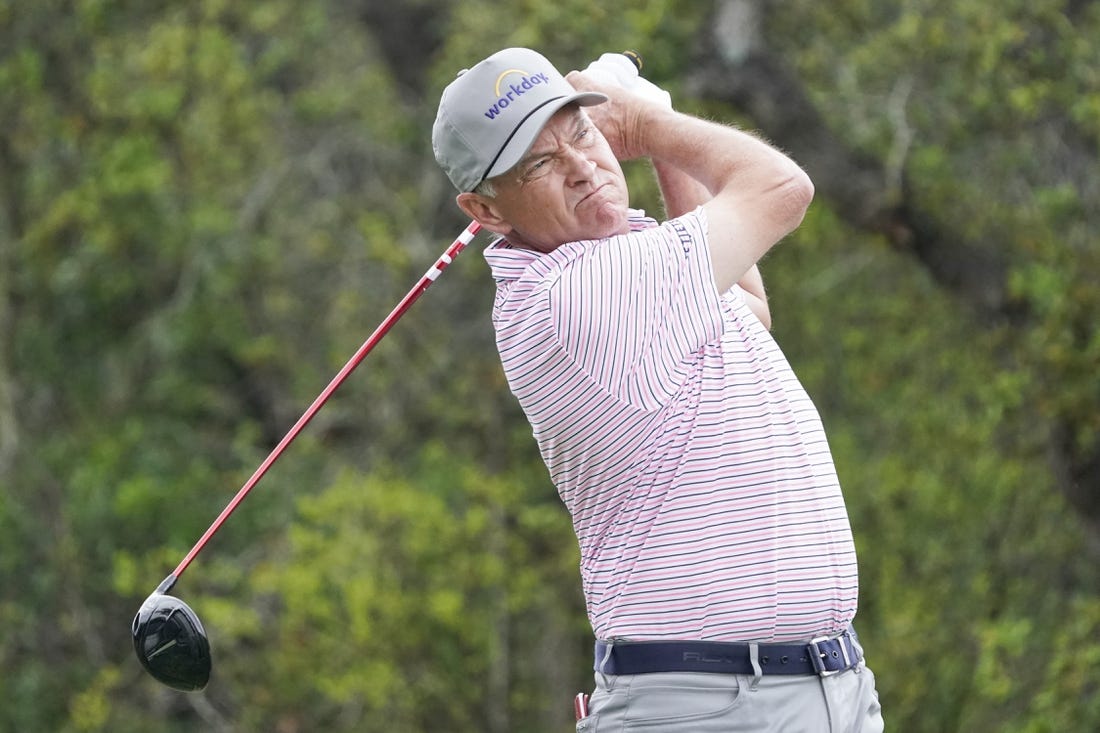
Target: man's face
(568, 187)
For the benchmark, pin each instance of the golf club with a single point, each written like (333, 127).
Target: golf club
(169, 639)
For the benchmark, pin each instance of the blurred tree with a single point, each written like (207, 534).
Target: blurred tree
(205, 207)
(960, 133)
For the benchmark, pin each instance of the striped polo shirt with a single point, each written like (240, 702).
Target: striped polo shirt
(692, 462)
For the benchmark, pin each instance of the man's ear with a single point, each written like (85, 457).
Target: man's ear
(484, 211)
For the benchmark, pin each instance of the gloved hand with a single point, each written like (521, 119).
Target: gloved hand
(617, 69)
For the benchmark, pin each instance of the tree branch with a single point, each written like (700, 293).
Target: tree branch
(865, 192)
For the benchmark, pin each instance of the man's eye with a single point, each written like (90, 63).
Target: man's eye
(538, 167)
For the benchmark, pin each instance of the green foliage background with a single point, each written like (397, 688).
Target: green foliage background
(206, 206)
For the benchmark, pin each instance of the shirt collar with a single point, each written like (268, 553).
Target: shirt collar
(507, 262)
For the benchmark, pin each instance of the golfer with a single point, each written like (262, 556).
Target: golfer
(717, 560)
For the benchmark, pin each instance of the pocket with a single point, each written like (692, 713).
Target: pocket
(686, 704)
(872, 721)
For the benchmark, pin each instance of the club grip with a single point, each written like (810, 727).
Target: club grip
(635, 58)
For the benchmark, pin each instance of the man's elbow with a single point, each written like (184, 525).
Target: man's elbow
(796, 193)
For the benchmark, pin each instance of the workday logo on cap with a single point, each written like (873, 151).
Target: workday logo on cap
(507, 94)
(491, 114)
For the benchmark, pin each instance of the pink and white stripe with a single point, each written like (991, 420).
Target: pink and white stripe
(693, 463)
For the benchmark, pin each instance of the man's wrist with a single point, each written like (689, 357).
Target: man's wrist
(653, 124)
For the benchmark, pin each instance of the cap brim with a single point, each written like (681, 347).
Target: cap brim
(528, 131)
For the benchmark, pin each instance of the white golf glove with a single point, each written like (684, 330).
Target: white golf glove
(616, 69)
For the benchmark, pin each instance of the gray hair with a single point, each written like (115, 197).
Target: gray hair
(486, 189)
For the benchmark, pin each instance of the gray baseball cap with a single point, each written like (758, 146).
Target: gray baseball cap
(491, 114)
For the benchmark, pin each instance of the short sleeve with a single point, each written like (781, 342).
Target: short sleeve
(635, 312)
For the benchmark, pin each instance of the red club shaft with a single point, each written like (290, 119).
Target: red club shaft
(425, 282)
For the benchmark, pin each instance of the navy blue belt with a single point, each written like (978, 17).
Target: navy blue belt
(824, 656)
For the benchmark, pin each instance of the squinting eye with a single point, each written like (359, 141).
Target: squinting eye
(536, 169)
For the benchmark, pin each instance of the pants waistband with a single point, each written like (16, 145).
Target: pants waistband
(823, 656)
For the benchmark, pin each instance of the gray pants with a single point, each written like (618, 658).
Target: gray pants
(690, 702)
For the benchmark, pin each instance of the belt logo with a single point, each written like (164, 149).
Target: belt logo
(707, 658)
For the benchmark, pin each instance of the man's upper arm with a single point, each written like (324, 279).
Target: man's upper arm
(634, 310)
(746, 223)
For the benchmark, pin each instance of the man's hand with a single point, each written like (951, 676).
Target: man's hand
(681, 193)
(613, 74)
(622, 118)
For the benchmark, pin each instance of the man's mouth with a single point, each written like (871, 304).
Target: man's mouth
(592, 193)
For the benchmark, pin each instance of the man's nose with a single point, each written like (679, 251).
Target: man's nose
(577, 166)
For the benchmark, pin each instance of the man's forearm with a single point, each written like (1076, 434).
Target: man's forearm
(681, 193)
(755, 296)
(721, 157)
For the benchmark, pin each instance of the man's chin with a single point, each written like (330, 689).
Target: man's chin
(611, 219)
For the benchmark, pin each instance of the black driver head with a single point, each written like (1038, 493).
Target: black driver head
(171, 643)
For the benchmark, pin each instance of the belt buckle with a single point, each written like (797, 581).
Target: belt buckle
(817, 656)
